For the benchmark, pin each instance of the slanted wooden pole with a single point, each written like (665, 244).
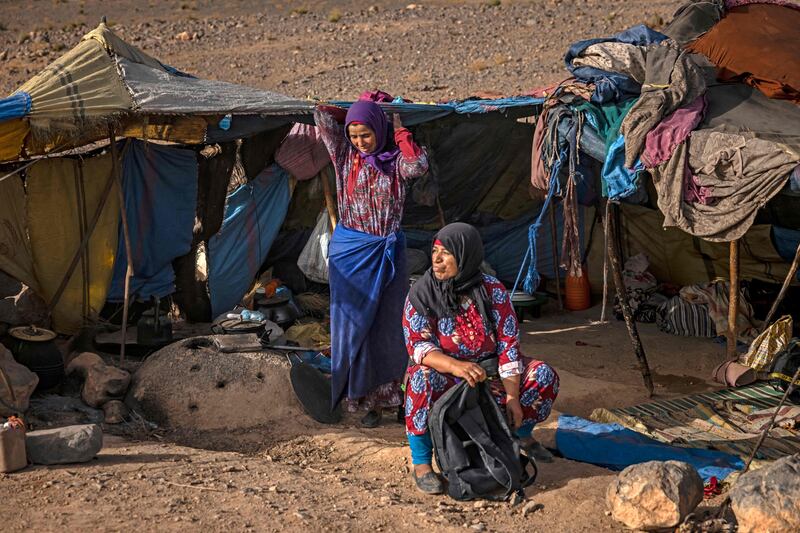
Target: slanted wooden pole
(554, 238)
(605, 262)
(126, 235)
(613, 247)
(784, 288)
(329, 204)
(733, 298)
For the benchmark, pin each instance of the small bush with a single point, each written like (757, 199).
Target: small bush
(334, 16)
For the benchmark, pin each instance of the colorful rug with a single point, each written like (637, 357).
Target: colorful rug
(728, 420)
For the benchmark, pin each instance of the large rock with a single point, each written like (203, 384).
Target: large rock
(115, 412)
(22, 381)
(767, 500)
(654, 495)
(71, 444)
(81, 363)
(104, 383)
(190, 385)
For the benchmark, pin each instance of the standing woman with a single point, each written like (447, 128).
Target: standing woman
(374, 161)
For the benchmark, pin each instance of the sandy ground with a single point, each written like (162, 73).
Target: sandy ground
(302, 475)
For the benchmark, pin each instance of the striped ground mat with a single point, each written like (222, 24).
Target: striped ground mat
(728, 420)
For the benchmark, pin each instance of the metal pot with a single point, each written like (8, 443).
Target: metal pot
(229, 326)
(34, 348)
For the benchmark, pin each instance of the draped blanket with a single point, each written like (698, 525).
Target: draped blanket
(369, 283)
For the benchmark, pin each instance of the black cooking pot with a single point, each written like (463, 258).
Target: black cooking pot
(280, 309)
(34, 348)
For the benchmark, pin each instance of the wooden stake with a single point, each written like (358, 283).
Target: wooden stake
(126, 235)
(605, 262)
(329, 204)
(616, 270)
(784, 288)
(733, 298)
(554, 238)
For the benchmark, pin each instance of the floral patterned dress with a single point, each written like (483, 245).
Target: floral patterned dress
(469, 338)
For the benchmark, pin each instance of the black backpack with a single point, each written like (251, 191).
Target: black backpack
(784, 367)
(475, 449)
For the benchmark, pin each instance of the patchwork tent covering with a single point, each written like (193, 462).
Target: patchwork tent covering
(104, 81)
(726, 149)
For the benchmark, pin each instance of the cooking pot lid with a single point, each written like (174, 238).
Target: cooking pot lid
(32, 333)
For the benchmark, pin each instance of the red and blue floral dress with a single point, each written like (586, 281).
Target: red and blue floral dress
(467, 337)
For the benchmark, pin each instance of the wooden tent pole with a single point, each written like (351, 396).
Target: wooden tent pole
(326, 188)
(784, 288)
(554, 239)
(126, 235)
(613, 247)
(733, 298)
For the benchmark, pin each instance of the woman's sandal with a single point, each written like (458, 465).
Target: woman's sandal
(429, 483)
(539, 453)
(371, 420)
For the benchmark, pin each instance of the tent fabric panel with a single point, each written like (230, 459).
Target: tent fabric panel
(82, 85)
(12, 138)
(157, 91)
(185, 130)
(160, 184)
(253, 216)
(15, 106)
(757, 44)
(57, 222)
(114, 45)
(679, 258)
(15, 248)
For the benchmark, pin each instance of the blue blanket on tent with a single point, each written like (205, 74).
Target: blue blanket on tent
(609, 85)
(254, 213)
(15, 106)
(616, 447)
(160, 202)
(369, 282)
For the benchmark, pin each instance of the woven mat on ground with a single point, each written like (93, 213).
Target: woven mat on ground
(728, 420)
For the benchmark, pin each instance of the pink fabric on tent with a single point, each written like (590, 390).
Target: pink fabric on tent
(302, 153)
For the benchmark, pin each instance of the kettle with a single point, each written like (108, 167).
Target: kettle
(153, 329)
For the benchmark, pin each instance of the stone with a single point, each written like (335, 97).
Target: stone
(22, 382)
(766, 500)
(19, 305)
(654, 495)
(531, 507)
(81, 363)
(190, 385)
(115, 411)
(104, 383)
(70, 444)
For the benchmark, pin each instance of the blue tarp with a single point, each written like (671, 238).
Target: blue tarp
(254, 213)
(609, 85)
(786, 241)
(413, 114)
(161, 199)
(616, 447)
(505, 243)
(15, 106)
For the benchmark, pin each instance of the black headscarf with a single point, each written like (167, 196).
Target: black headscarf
(439, 299)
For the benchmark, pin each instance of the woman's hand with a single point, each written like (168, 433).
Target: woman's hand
(514, 412)
(471, 372)
(396, 122)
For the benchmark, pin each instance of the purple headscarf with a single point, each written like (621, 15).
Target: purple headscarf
(371, 115)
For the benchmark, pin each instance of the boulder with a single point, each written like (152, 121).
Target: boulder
(81, 364)
(70, 444)
(654, 495)
(104, 383)
(22, 381)
(115, 411)
(190, 385)
(767, 500)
